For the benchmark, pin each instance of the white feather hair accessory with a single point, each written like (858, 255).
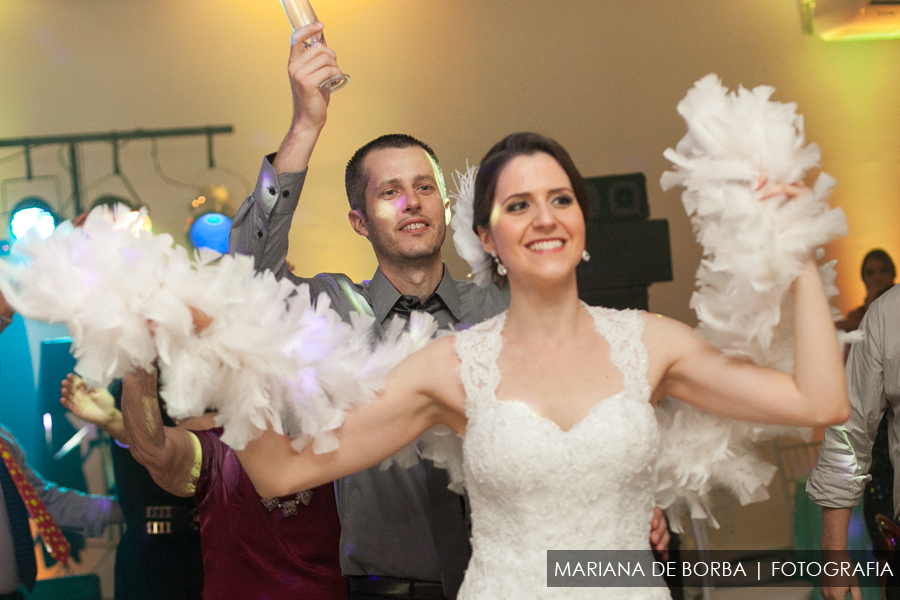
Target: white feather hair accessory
(467, 243)
(752, 251)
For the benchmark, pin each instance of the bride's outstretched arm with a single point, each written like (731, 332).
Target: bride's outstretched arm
(691, 370)
(422, 391)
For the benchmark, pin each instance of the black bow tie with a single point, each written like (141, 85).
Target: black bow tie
(406, 304)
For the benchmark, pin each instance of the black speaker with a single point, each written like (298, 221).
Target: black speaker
(625, 254)
(618, 198)
(56, 363)
(618, 299)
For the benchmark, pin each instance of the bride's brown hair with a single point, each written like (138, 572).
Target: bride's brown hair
(513, 145)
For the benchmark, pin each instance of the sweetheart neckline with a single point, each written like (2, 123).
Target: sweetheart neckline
(599, 332)
(558, 427)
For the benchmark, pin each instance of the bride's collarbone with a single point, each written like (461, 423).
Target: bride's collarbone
(561, 382)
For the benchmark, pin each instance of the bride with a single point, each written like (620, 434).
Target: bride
(555, 399)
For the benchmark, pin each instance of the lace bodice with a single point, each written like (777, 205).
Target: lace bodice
(535, 487)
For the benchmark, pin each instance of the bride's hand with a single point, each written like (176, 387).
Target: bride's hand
(200, 318)
(791, 190)
(201, 321)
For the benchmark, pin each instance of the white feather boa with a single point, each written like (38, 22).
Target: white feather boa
(100, 280)
(270, 357)
(752, 251)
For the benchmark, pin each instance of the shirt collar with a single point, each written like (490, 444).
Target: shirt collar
(383, 295)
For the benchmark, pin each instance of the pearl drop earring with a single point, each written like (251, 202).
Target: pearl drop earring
(501, 268)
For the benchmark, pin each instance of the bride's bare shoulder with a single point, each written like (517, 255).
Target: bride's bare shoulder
(436, 363)
(667, 337)
(444, 348)
(655, 323)
(436, 367)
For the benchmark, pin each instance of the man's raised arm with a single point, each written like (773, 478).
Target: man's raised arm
(262, 224)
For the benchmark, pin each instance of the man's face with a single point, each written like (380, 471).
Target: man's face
(405, 214)
(878, 276)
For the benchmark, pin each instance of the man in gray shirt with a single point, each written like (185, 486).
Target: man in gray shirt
(841, 473)
(403, 532)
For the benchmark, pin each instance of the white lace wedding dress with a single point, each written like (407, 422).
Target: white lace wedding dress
(535, 487)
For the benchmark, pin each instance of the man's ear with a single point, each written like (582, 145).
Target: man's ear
(448, 214)
(487, 242)
(358, 222)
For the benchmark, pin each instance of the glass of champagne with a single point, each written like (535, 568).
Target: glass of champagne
(300, 13)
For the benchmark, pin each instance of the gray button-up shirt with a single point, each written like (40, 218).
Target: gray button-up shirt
(873, 376)
(385, 514)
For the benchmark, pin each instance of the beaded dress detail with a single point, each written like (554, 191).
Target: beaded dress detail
(535, 487)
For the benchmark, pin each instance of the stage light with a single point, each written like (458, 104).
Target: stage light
(4, 247)
(48, 429)
(30, 213)
(133, 220)
(146, 223)
(111, 201)
(211, 231)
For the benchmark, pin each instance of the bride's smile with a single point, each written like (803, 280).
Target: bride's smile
(546, 246)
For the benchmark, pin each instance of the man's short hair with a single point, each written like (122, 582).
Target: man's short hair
(356, 178)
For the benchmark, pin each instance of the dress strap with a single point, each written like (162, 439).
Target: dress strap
(623, 329)
(478, 349)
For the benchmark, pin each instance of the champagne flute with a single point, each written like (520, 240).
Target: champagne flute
(300, 13)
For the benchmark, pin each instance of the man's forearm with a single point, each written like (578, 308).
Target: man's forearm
(116, 428)
(296, 149)
(172, 456)
(835, 522)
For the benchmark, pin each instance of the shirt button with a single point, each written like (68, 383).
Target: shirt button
(259, 234)
(272, 191)
(285, 193)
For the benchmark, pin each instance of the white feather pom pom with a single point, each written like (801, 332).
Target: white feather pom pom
(438, 444)
(752, 251)
(332, 354)
(228, 366)
(467, 243)
(443, 446)
(699, 452)
(96, 279)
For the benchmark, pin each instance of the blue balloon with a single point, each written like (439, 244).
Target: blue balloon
(211, 231)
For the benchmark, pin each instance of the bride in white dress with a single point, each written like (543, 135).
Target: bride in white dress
(555, 399)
